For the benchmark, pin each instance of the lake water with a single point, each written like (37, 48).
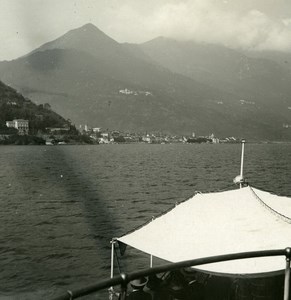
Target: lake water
(61, 205)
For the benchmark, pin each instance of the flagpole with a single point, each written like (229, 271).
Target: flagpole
(242, 162)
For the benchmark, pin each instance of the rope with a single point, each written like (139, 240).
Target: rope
(273, 211)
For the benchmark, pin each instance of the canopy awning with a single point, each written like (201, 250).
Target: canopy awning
(212, 224)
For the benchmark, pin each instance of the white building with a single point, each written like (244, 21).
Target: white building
(96, 129)
(21, 125)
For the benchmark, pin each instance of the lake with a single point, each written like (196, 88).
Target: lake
(61, 205)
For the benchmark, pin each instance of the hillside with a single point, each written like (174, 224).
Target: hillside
(91, 79)
(14, 106)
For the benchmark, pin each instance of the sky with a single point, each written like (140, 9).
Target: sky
(248, 24)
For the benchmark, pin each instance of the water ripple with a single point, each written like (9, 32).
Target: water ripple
(60, 206)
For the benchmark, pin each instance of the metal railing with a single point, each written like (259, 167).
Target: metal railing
(123, 279)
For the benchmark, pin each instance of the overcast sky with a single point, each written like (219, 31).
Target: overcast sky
(256, 24)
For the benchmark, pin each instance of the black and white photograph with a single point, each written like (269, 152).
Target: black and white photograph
(145, 149)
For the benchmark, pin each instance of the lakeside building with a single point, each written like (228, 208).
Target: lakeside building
(214, 139)
(21, 125)
(96, 129)
(58, 130)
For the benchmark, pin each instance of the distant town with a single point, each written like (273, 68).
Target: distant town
(97, 135)
(115, 136)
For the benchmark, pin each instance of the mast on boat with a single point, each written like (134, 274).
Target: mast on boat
(239, 179)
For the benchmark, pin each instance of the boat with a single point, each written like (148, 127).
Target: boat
(230, 244)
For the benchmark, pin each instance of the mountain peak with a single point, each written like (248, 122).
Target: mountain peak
(89, 27)
(87, 38)
(88, 30)
(160, 40)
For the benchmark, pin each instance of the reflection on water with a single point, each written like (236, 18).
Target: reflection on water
(61, 205)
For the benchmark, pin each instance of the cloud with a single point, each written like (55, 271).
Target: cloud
(248, 24)
(287, 22)
(212, 23)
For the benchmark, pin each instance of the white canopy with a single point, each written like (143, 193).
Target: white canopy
(211, 224)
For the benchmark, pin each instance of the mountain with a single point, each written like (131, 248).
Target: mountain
(254, 76)
(90, 78)
(281, 58)
(258, 79)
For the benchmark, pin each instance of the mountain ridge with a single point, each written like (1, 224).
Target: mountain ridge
(84, 74)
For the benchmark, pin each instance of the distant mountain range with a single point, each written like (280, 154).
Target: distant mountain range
(162, 85)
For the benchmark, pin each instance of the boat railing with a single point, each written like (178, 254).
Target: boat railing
(123, 279)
